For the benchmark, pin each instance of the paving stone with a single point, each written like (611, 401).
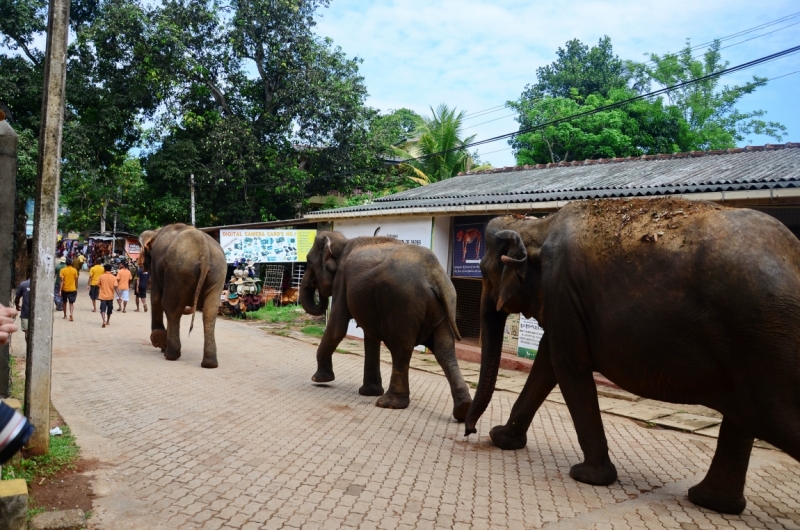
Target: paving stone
(686, 422)
(255, 443)
(13, 504)
(711, 432)
(607, 403)
(641, 412)
(59, 520)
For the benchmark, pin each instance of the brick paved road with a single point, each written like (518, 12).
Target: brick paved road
(253, 444)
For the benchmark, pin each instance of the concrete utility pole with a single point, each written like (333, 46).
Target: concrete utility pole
(40, 331)
(191, 181)
(8, 183)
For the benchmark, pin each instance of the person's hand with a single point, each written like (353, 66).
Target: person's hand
(7, 326)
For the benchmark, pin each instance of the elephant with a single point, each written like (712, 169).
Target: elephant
(187, 270)
(673, 300)
(397, 293)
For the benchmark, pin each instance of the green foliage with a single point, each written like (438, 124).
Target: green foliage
(440, 132)
(63, 453)
(274, 314)
(313, 330)
(697, 117)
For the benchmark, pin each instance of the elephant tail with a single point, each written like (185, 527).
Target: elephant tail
(446, 292)
(200, 282)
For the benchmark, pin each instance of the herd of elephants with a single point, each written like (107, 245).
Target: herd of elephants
(673, 300)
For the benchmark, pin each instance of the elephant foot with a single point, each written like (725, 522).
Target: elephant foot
(507, 440)
(392, 401)
(323, 377)
(172, 355)
(209, 362)
(460, 410)
(158, 338)
(717, 499)
(595, 474)
(371, 389)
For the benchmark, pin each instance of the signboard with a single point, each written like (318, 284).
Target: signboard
(511, 333)
(415, 230)
(530, 334)
(468, 246)
(133, 248)
(267, 246)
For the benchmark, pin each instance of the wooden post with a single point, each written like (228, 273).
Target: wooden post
(40, 331)
(8, 183)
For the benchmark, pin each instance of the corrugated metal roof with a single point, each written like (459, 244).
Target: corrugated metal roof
(761, 167)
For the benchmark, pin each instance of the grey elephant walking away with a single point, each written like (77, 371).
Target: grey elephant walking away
(678, 301)
(397, 293)
(187, 272)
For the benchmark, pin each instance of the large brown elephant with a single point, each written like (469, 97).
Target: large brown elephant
(679, 301)
(397, 293)
(187, 271)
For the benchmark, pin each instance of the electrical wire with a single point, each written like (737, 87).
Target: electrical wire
(524, 130)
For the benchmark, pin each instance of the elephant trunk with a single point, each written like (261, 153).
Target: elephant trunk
(492, 326)
(308, 289)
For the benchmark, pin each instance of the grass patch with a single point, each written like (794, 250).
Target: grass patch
(314, 330)
(339, 350)
(63, 453)
(274, 314)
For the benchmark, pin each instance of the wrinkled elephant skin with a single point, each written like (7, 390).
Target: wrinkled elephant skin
(397, 293)
(187, 272)
(678, 301)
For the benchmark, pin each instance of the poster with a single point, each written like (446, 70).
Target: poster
(529, 336)
(414, 230)
(267, 246)
(133, 248)
(468, 246)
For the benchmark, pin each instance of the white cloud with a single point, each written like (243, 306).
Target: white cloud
(478, 54)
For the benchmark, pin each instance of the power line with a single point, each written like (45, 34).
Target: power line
(497, 108)
(612, 106)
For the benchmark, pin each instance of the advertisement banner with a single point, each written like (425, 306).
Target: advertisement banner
(133, 248)
(267, 246)
(530, 334)
(468, 247)
(416, 230)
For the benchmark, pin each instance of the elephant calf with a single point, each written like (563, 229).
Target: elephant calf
(397, 293)
(187, 270)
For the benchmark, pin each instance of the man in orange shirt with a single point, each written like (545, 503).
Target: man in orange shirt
(69, 287)
(123, 282)
(94, 275)
(107, 284)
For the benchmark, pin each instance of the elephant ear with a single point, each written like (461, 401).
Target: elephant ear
(330, 259)
(516, 258)
(146, 239)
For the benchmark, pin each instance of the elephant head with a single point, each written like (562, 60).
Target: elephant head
(512, 272)
(146, 241)
(322, 264)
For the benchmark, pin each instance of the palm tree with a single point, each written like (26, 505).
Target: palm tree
(439, 133)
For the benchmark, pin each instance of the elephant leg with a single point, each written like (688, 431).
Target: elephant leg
(173, 351)
(397, 397)
(158, 333)
(444, 349)
(573, 369)
(722, 490)
(540, 382)
(210, 307)
(373, 384)
(334, 333)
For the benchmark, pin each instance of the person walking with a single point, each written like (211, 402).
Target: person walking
(142, 279)
(95, 272)
(124, 281)
(24, 294)
(69, 287)
(107, 286)
(60, 264)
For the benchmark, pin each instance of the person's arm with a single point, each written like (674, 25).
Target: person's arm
(17, 298)
(7, 326)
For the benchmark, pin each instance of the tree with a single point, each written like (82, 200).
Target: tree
(439, 142)
(581, 71)
(695, 117)
(708, 109)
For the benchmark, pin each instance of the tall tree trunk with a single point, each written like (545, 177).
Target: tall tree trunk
(103, 211)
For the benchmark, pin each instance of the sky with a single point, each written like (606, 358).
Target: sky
(475, 54)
